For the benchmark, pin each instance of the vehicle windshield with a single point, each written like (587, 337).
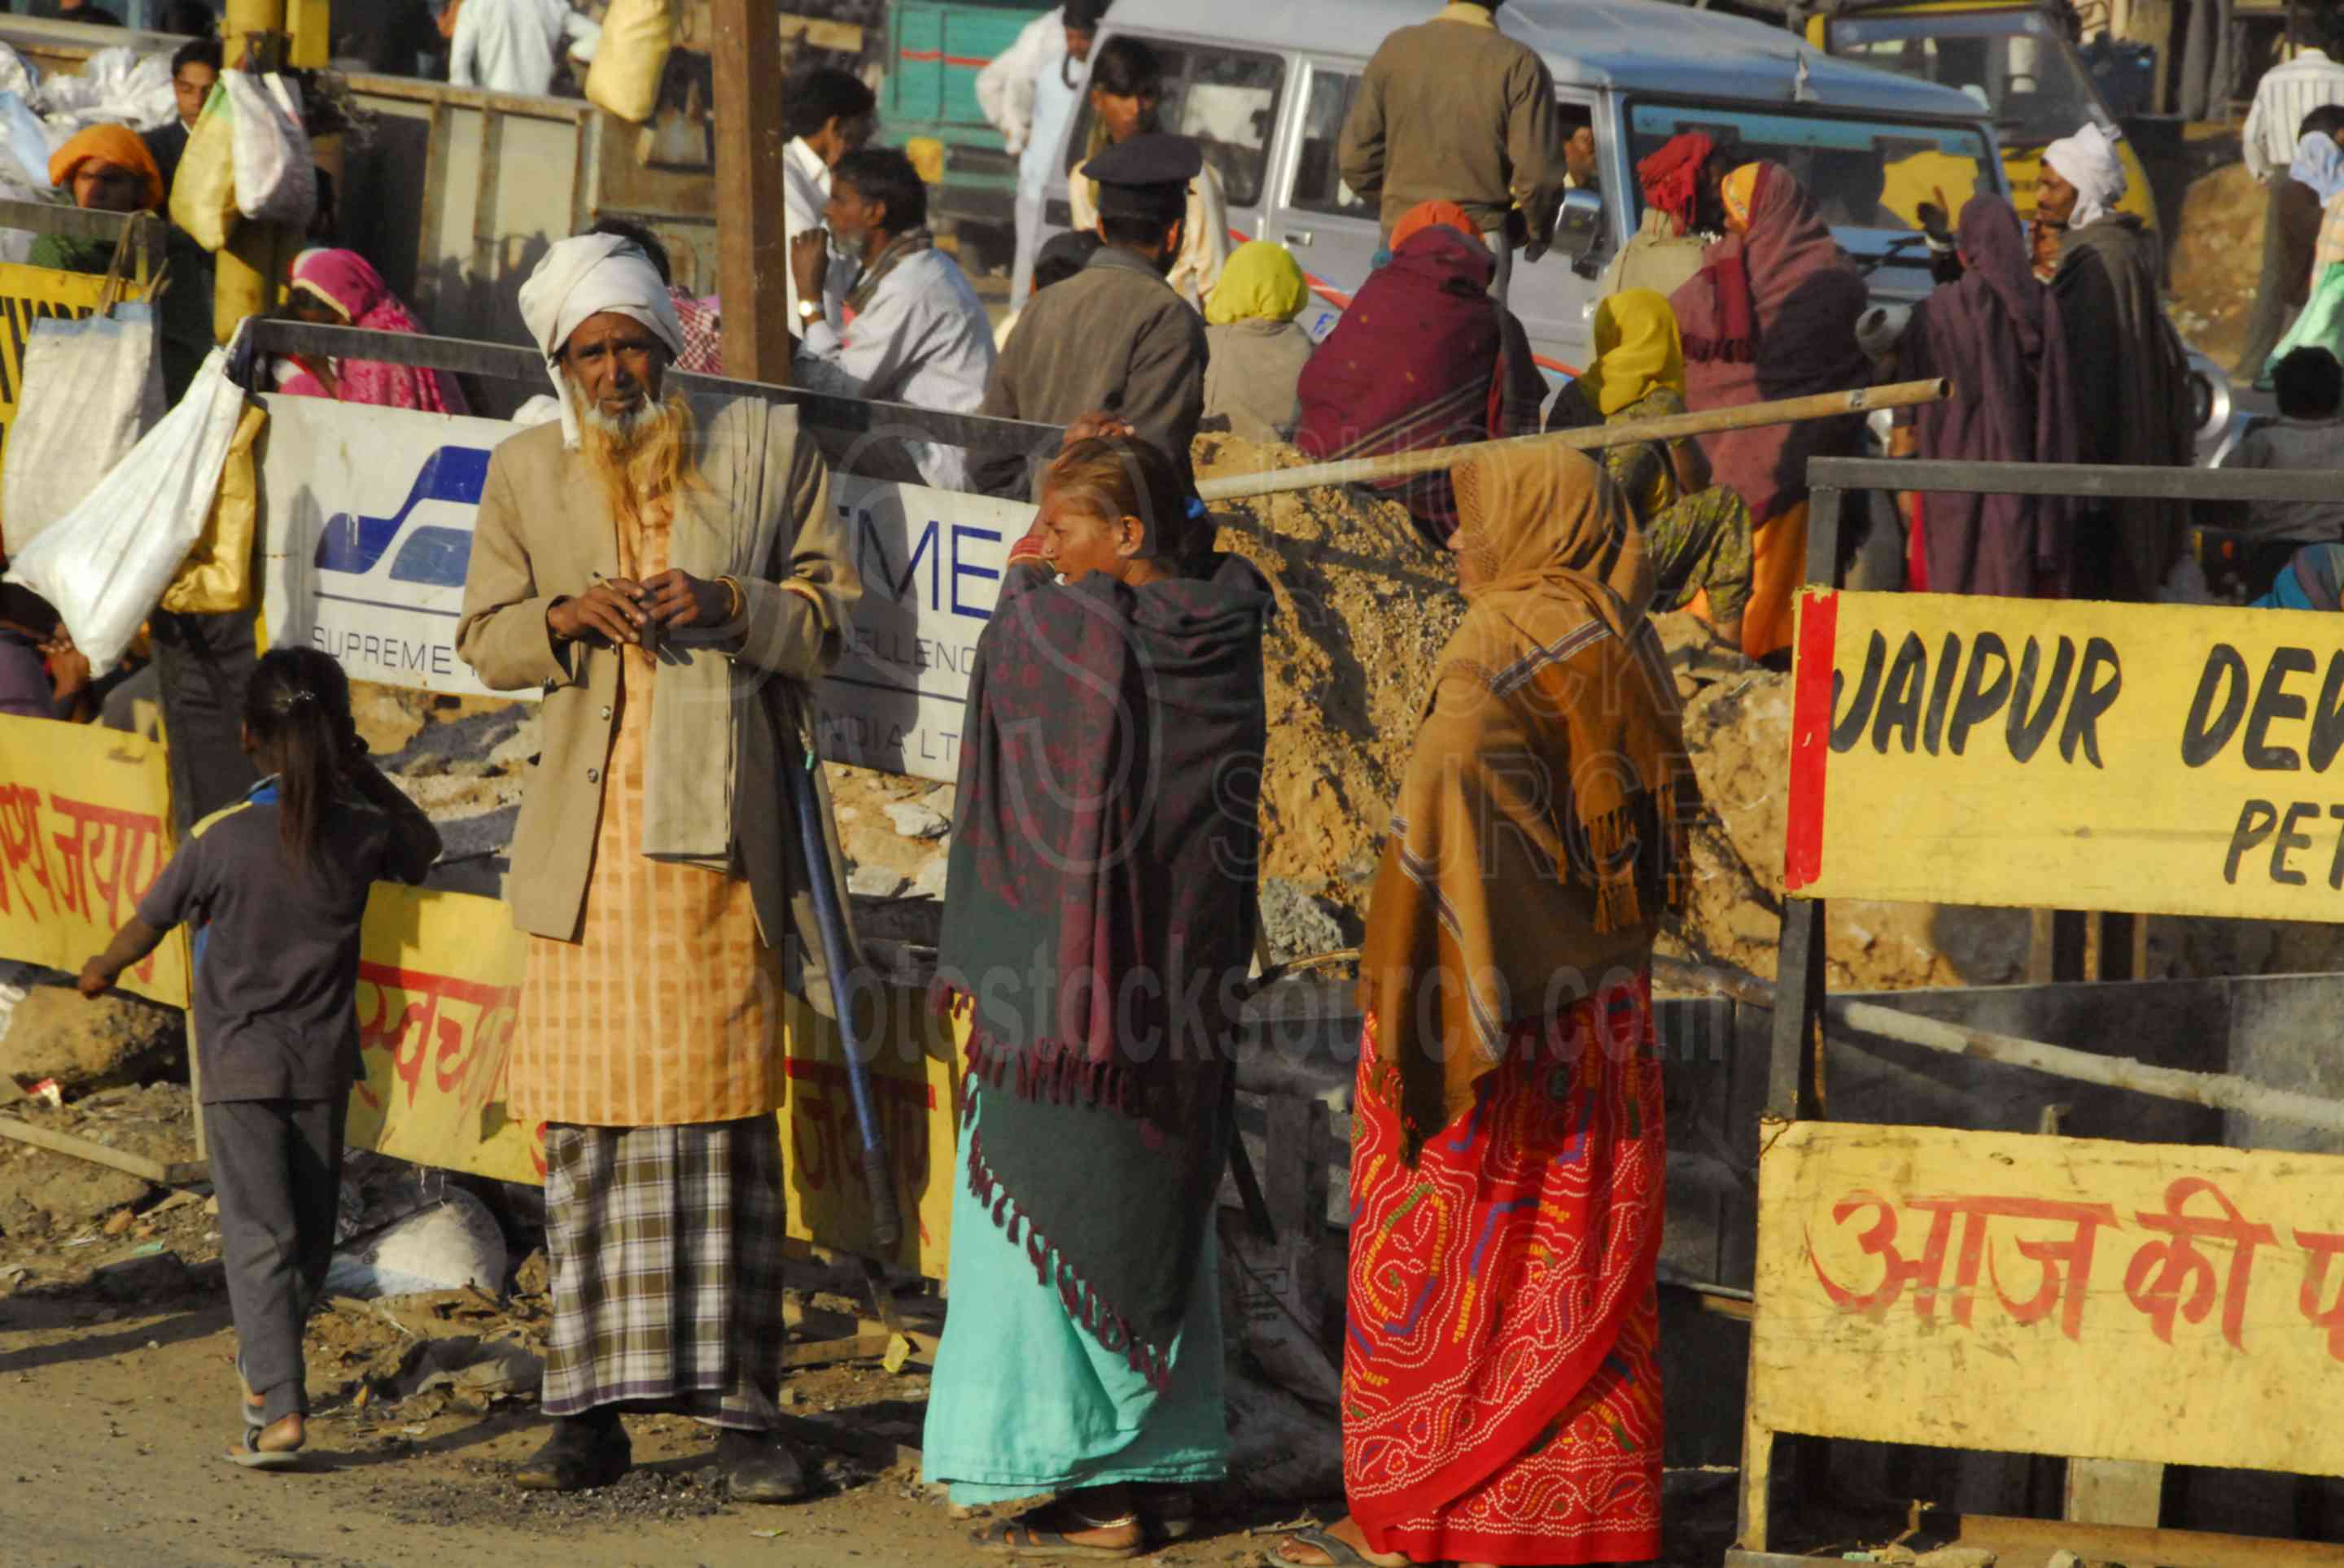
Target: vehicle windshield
(1862, 173)
(2014, 64)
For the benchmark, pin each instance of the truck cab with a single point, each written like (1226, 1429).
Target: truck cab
(2016, 59)
(1265, 87)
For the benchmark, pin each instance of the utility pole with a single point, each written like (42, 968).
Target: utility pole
(248, 268)
(750, 210)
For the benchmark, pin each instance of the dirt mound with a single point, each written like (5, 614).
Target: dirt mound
(1363, 607)
(2216, 260)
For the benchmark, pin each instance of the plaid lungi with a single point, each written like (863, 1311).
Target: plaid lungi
(666, 1252)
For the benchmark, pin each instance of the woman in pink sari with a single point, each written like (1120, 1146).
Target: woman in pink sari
(341, 289)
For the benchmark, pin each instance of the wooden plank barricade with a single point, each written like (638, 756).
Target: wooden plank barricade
(2091, 1299)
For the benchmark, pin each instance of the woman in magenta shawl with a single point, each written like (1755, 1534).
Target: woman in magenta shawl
(341, 289)
(1771, 314)
(1996, 335)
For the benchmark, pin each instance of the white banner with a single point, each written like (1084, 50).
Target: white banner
(366, 521)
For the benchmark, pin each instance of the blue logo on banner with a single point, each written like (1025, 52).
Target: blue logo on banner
(433, 557)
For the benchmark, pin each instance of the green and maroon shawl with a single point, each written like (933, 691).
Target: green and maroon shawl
(1100, 919)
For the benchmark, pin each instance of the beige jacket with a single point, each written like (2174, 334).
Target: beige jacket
(1453, 110)
(715, 794)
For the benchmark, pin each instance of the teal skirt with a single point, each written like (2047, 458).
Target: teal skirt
(1025, 1401)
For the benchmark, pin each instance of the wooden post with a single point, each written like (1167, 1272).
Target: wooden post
(245, 269)
(750, 207)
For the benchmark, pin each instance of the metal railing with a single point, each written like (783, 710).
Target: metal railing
(505, 361)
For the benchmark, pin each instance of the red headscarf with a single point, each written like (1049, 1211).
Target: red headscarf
(1671, 176)
(110, 143)
(348, 283)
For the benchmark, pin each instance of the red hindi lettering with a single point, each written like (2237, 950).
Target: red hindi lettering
(21, 849)
(119, 849)
(2161, 1271)
(1896, 1270)
(2322, 1247)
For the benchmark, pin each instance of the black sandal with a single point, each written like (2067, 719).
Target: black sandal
(1015, 1537)
(1340, 1553)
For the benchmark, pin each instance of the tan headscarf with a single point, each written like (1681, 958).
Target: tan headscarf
(1541, 829)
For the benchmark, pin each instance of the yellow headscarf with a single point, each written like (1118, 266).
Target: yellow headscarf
(1637, 349)
(1741, 190)
(1261, 282)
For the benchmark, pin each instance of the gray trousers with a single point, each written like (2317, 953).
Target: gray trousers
(276, 1168)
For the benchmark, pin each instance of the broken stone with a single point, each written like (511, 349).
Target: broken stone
(876, 882)
(1297, 924)
(916, 820)
(121, 1220)
(85, 1044)
(930, 881)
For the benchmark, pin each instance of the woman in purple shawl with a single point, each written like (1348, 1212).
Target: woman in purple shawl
(1996, 335)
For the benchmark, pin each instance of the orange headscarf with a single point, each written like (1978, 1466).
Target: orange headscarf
(1432, 215)
(1741, 193)
(115, 145)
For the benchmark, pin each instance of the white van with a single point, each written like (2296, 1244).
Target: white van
(1265, 84)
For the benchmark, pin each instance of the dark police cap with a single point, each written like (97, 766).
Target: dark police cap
(1146, 173)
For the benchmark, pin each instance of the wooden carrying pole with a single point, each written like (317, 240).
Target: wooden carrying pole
(2215, 1090)
(1592, 437)
(750, 207)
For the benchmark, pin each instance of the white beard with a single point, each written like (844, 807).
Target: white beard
(620, 430)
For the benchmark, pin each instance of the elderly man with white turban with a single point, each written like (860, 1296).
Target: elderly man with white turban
(672, 578)
(2130, 374)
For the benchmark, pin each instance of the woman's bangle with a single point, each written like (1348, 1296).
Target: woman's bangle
(736, 602)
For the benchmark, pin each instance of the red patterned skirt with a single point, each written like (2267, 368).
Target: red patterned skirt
(1502, 1390)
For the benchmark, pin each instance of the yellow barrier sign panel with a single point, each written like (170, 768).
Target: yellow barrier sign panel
(28, 295)
(2156, 759)
(2051, 1295)
(85, 829)
(439, 994)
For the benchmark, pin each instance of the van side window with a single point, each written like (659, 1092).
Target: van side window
(1227, 100)
(1318, 176)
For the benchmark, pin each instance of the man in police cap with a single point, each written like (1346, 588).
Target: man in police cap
(1114, 339)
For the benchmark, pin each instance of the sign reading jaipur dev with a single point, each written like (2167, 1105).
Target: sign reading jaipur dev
(367, 517)
(85, 829)
(1994, 1288)
(2156, 758)
(440, 992)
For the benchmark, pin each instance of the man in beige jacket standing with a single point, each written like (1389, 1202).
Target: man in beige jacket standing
(673, 578)
(1420, 130)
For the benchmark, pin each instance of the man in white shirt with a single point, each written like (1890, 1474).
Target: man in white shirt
(830, 113)
(516, 46)
(1029, 92)
(2287, 94)
(913, 330)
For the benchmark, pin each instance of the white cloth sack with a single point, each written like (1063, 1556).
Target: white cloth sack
(91, 388)
(27, 145)
(105, 565)
(276, 172)
(116, 83)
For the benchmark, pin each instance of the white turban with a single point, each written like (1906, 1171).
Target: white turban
(2088, 160)
(588, 276)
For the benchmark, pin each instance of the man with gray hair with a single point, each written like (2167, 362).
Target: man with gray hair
(672, 579)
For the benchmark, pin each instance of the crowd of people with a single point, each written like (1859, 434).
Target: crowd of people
(668, 573)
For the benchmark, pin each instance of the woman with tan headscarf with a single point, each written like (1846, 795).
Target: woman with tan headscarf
(1500, 1385)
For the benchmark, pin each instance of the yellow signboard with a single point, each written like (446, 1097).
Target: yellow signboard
(85, 829)
(440, 990)
(2051, 1295)
(30, 294)
(2157, 758)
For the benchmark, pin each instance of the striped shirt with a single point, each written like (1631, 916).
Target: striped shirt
(2288, 92)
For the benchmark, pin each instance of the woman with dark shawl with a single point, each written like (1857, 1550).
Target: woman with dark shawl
(1770, 315)
(2131, 378)
(1996, 335)
(1422, 359)
(1501, 1399)
(1101, 914)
